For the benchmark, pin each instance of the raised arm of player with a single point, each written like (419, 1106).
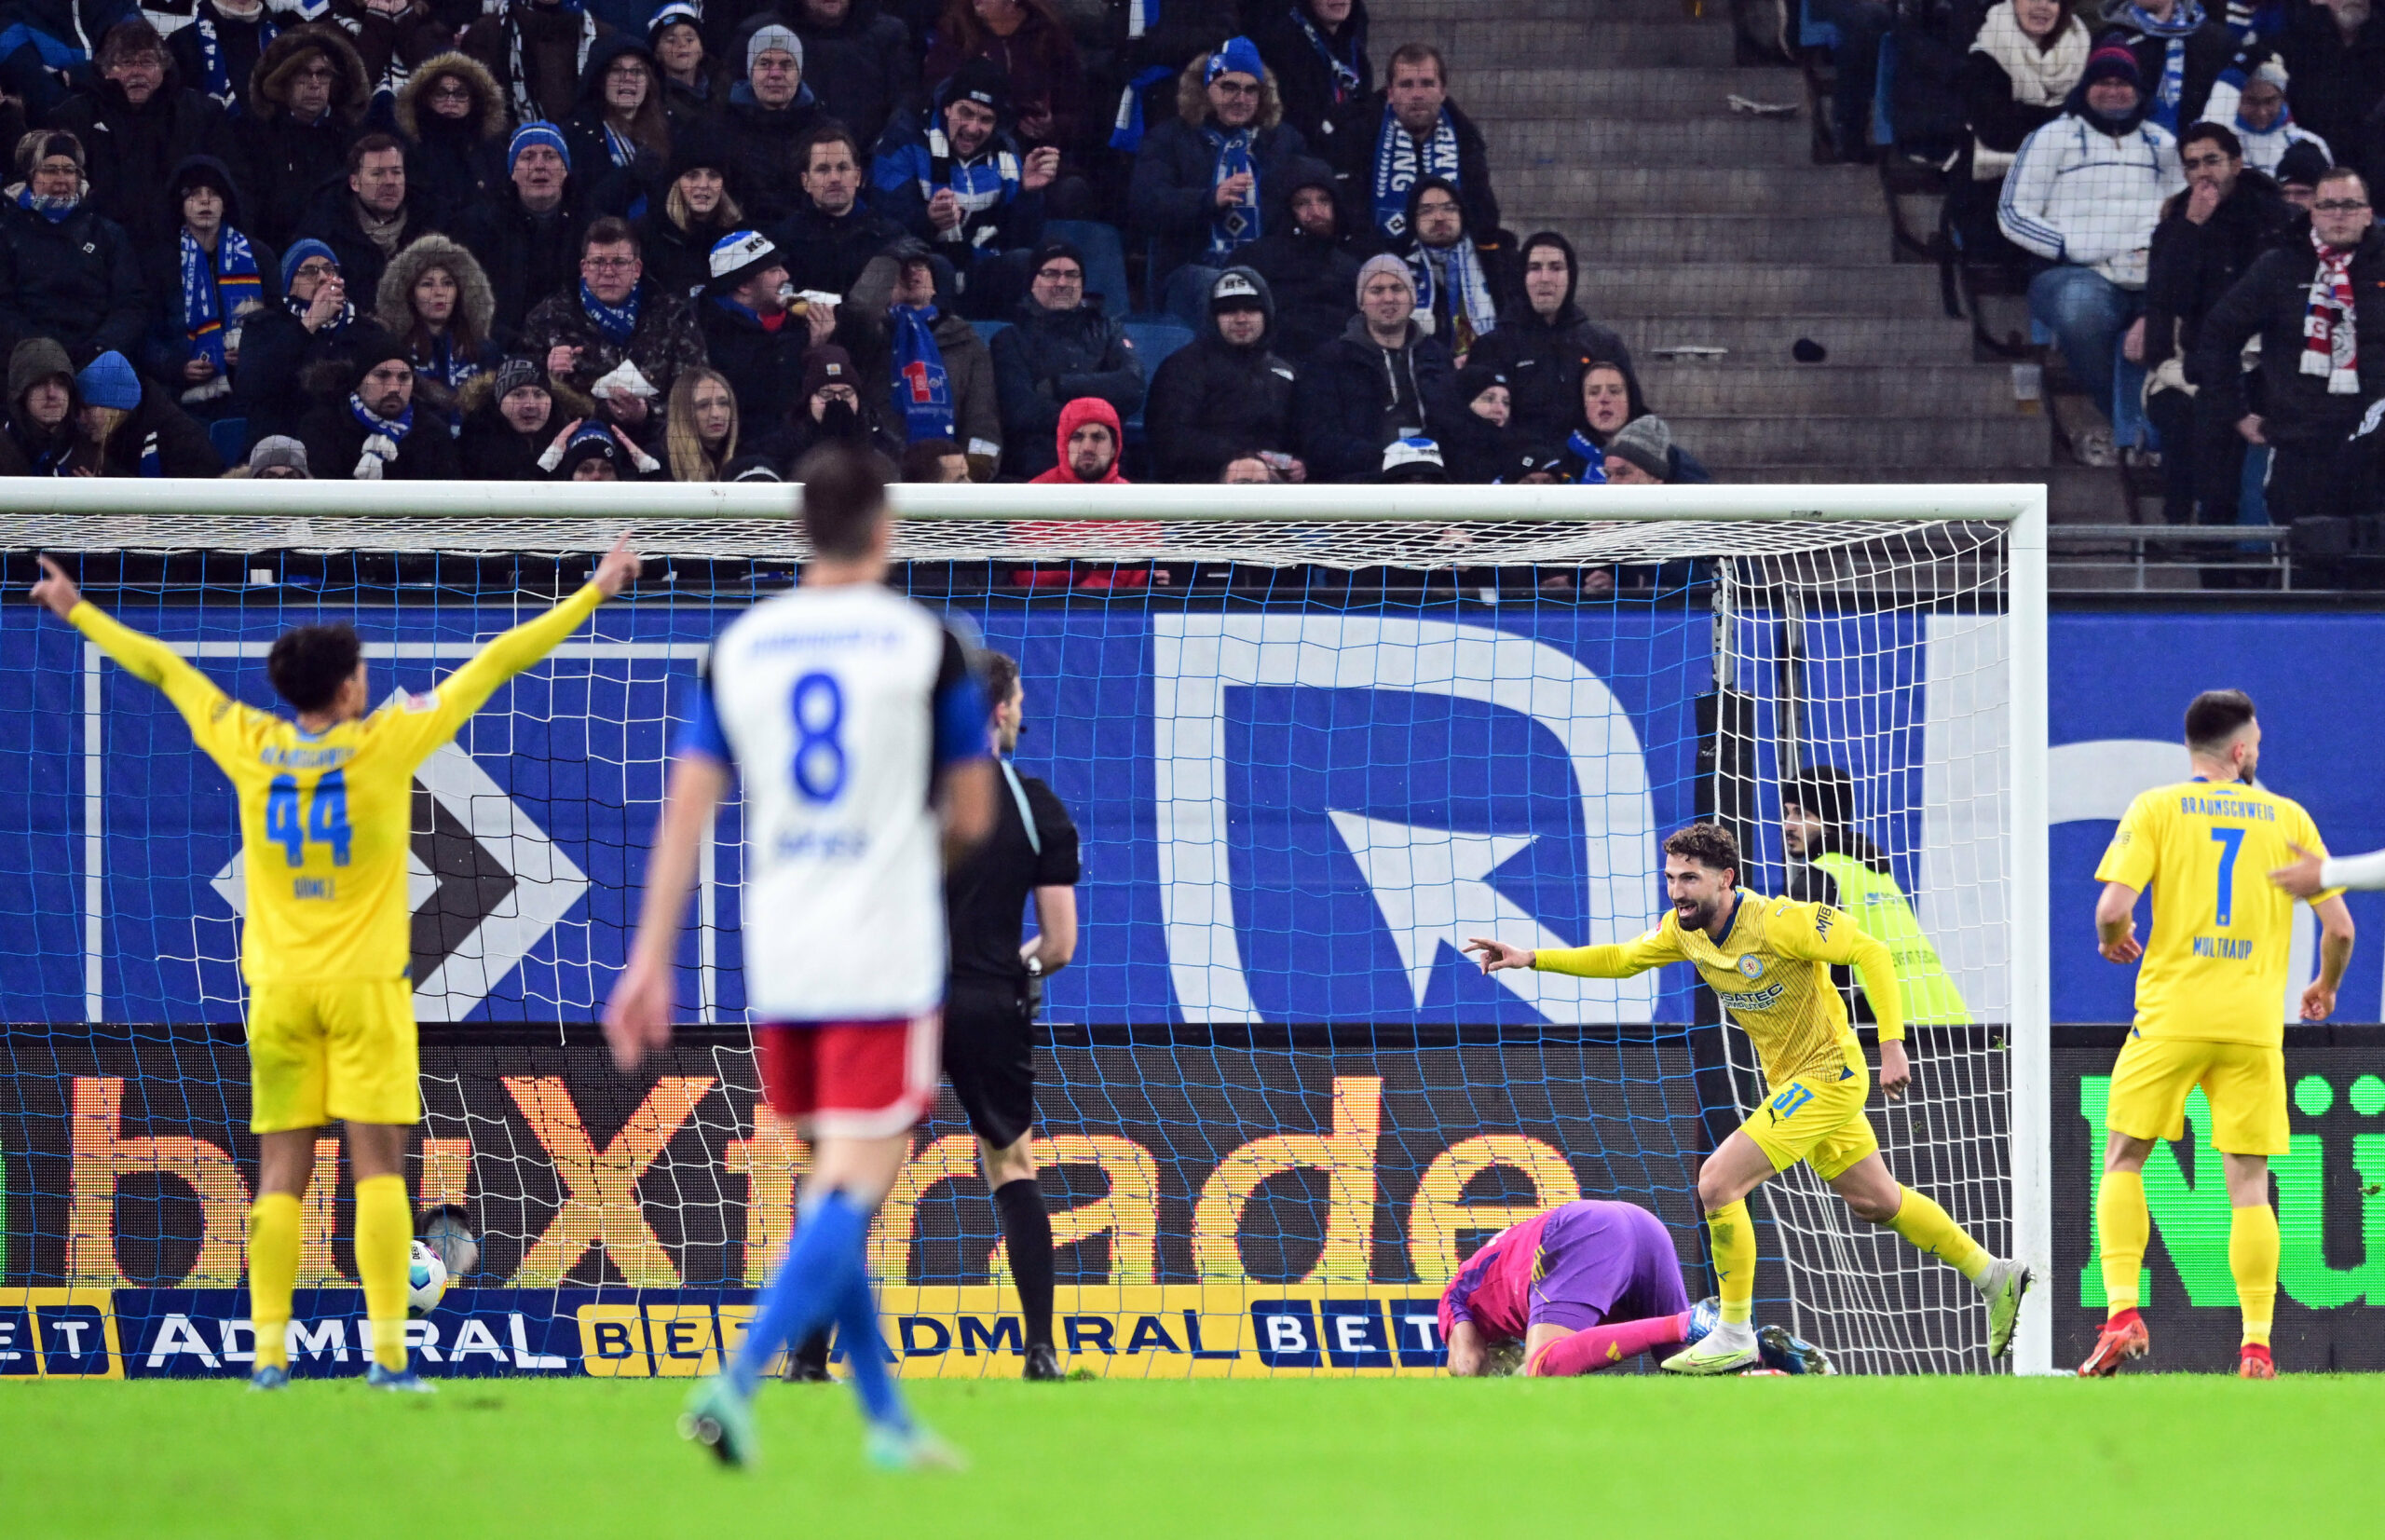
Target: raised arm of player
(465, 690)
(637, 1019)
(146, 658)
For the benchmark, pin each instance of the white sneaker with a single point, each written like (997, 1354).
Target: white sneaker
(2002, 1286)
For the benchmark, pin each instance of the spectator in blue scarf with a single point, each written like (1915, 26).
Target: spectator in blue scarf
(1203, 178)
(435, 299)
(1408, 130)
(963, 184)
(66, 272)
(2180, 49)
(614, 314)
(221, 43)
(940, 374)
(207, 281)
(1318, 52)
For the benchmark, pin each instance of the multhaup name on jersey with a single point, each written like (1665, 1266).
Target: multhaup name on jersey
(2225, 807)
(2224, 947)
(301, 759)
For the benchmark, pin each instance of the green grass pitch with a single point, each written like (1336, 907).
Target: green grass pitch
(1623, 1456)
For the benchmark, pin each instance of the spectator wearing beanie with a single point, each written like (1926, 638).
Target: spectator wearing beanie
(1639, 454)
(2208, 236)
(1203, 178)
(527, 236)
(2021, 69)
(535, 50)
(694, 212)
(302, 346)
(66, 272)
(963, 186)
(2085, 194)
(1543, 341)
(591, 451)
(2318, 305)
(452, 119)
(1383, 378)
(2180, 47)
(2249, 99)
(208, 281)
(1478, 445)
(1226, 390)
(618, 133)
(309, 94)
(509, 421)
(138, 121)
(1088, 443)
(613, 315)
(750, 334)
(378, 433)
(861, 59)
(1318, 52)
(1412, 461)
(693, 84)
(1059, 347)
(40, 431)
(1029, 42)
(278, 458)
(1310, 258)
(834, 408)
(938, 375)
(2298, 171)
(127, 428)
(769, 115)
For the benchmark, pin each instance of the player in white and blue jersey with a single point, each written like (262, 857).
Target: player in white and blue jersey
(852, 719)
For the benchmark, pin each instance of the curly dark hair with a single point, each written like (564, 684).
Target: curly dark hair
(1708, 844)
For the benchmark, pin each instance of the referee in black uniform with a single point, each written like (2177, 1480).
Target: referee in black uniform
(996, 987)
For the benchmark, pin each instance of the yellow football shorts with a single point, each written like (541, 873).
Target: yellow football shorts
(1816, 1119)
(2244, 1082)
(333, 1049)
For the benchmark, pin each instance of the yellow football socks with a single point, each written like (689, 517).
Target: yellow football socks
(1734, 1237)
(2121, 1226)
(273, 1272)
(384, 1248)
(1923, 1224)
(2252, 1257)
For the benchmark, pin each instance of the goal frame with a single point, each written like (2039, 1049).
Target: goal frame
(2021, 508)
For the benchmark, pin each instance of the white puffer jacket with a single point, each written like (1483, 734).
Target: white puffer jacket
(2078, 195)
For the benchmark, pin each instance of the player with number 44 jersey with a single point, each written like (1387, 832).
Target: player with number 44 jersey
(326, 805)
(2209, 1007)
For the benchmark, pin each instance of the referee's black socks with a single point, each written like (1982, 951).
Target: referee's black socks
(1026, 1234)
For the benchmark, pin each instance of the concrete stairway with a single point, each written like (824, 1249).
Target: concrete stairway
(1699, 227)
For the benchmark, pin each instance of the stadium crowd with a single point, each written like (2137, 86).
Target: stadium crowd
(595, 239)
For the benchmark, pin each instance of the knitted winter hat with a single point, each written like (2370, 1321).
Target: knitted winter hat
(277, 449)
(1234, 290)
(514, 374)
(751, 468)
(1528, 463)
(1474, 379)
(108, 380)
(293, 259)
(671, 15)
(2302, 164)
(2112, 61)
(1386, 263)
(738, 256)
(1235, 56)
(827, 364)
(35, 360)
(775, 35)
(1646, 443)
(537, 132)
(376, 348)
(1414, 459)
(980, 80)
(699, 145)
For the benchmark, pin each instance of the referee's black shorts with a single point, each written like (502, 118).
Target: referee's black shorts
(990, 1057)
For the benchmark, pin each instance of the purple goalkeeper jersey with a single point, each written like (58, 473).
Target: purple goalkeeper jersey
(1574, 1266)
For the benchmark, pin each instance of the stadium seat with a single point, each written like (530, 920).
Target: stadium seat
(230, 437)
(1884, 132)
(1105, 259)
(988, 330)
(1155, 339)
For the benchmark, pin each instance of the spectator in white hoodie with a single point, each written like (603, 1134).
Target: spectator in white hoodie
(2084, 194)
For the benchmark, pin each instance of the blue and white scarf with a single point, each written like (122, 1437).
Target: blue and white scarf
(447, 366)
(54, 209)
(1126, 133)
(619, 322)
(2185, 18)
(982, 183)
(1237, 224)
(218, 82)
(1398, 163)
(214, 292)
(1593, 459)
(382, 436)
(922, 389)
(1472, 311)
(1345, 70)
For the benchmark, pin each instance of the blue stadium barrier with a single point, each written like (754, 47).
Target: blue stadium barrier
(1105, 259)
(230, 437)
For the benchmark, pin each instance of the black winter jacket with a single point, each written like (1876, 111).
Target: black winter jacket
(1357, 396)
(2272, 300)
(526, 257)
(284, 164)
(285, 369)
(332, 220)
(764, 368)
(129, 152)
(678, 260)
(1211, 401)
(490, 450)
(1171, 198)
(1350, 148)
(607, 189)
(1302, 78)
(2192, 266)
(334, 441)
(863, 67)
(826, 254)
(1315, 281)
(76, 280)
(765, 152)
(1046, 359)
(1543, 356)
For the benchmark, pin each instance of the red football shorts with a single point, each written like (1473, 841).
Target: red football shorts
(850, 1079)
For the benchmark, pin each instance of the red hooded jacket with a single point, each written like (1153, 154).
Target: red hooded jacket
(1075, 415)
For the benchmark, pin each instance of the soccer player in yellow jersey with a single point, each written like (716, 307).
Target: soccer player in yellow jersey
(326, 818)
(1768, 960)
(2209, 1007)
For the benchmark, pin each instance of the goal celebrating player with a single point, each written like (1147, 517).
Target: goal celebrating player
(326, 822)
(1585, 1286)
(1769, 962)
(851, 716)
(2210, 1008)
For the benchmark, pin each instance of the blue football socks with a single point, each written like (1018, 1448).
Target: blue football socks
(809, 1286)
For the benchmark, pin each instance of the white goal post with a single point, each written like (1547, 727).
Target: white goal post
(1868, 539)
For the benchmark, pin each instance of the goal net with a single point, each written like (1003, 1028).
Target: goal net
(1311, 740)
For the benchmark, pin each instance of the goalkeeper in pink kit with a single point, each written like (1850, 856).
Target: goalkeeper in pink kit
(1585, 1286)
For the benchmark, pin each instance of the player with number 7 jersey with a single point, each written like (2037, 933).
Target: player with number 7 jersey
(326, 810)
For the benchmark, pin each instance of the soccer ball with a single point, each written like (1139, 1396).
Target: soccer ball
(425, 1281)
